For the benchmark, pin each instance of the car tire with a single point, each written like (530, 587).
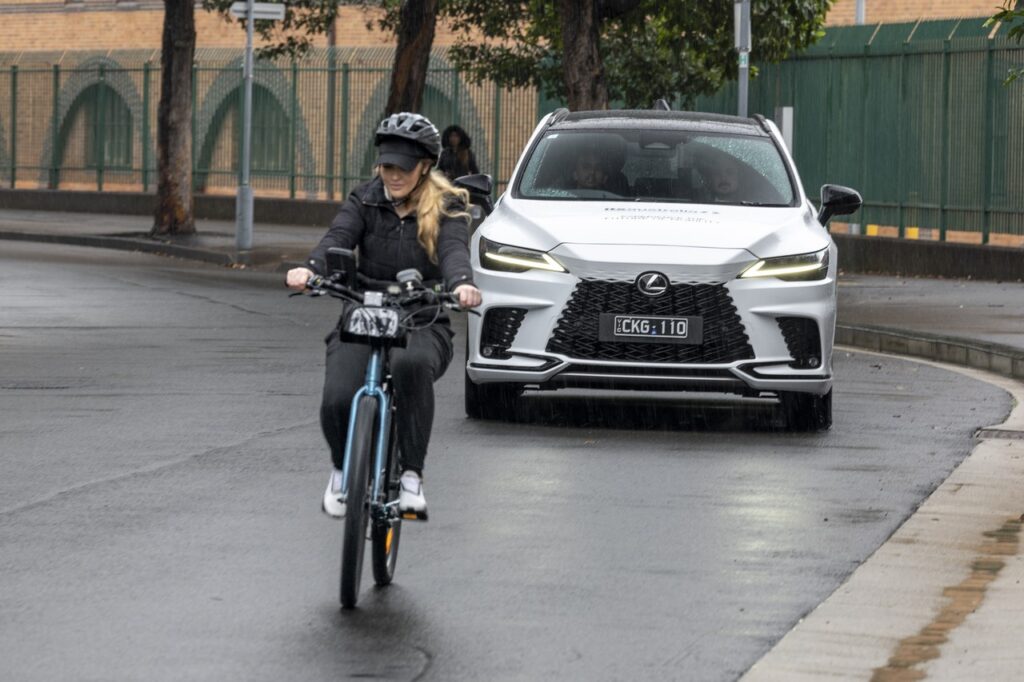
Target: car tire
(806, 412)
(490, 401)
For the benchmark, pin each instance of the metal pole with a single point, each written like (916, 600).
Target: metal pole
(859, 19)
(243, 204)
(742, 18)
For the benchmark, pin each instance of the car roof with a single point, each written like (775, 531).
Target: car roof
(659, 119)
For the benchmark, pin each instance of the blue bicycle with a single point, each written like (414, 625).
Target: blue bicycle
(370, 478)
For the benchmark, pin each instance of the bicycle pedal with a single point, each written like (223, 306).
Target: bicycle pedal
(414, 515)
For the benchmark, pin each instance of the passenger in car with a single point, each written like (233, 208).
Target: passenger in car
(721, 175)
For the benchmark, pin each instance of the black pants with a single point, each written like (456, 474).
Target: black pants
(414, 369)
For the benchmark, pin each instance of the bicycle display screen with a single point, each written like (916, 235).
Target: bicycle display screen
(379, 323)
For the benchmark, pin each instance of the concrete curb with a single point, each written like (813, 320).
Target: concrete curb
(922, 258)
(128, 244)
(1002, 360)
(278, 210)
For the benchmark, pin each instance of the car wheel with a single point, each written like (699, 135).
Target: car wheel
(806, 411)
(490, 401)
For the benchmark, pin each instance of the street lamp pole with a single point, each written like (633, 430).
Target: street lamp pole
(250, 11)
(244, 203)
(741, 10)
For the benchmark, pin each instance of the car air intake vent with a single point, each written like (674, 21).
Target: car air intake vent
(576, 334)
(500, 326)
(802, 340)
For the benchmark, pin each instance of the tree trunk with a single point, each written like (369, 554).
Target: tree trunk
(416, 23)
(582, 66)
(174, 210)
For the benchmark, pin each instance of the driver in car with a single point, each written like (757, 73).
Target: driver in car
(589, 173)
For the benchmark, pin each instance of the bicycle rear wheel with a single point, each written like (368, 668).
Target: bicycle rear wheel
(386, 530)
(357, 514)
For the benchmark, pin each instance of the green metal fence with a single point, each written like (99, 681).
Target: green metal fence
(916, 117)
(89, 122)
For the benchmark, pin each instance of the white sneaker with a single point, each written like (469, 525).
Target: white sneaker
(412, 504)
(334, 502)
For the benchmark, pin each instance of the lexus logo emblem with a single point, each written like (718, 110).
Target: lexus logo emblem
(652, 283)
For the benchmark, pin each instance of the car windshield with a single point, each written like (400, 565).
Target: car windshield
(657, 165)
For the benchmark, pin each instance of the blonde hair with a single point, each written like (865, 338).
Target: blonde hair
(433, 204)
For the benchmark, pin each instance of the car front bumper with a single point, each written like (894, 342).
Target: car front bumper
(535, 327)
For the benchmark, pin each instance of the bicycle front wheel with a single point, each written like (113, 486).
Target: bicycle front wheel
(357, 514)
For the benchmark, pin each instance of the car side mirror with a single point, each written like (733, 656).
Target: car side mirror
(481, 183)
(342, 267)
(837, 200)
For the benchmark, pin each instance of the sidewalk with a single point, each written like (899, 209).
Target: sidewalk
(943, 597)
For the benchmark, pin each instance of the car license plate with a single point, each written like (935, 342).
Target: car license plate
(650, 329)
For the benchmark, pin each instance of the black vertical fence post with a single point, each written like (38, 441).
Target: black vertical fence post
(986, 215)
(456, 109)
(944, 177)
(344, 128)
(145, 126)
(99, 126)
(54, 142)
(496, 138)
(195, 106)
(240, 95)
(902, 99)
(332, 75)
(14, 125)
(293, 128)
(864, 151)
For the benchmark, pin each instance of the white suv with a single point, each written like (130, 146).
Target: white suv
(656, 250)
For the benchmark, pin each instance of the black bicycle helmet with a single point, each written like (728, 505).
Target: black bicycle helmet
(415, 128)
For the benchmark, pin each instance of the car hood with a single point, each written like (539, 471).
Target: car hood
(762, 231)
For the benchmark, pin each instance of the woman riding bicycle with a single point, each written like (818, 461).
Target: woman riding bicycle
(407, 216)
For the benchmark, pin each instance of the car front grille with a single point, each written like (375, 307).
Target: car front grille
(802, 340)
(576, 333)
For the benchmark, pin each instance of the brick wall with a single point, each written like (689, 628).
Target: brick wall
(140, 28)
(892, 11)
(92, 25)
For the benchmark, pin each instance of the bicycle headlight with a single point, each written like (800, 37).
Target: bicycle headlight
(505, 258)
(800, 268)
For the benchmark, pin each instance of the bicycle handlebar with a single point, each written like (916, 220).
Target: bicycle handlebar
(397, 295)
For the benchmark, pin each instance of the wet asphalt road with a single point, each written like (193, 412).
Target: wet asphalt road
(162, 467)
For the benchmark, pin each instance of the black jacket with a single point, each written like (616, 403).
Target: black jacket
(450, 166)
(388, 244)
(449, 161)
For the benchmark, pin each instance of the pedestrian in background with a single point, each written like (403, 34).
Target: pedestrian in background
(457, 158)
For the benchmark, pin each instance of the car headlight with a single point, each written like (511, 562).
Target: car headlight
(801, 268)
(495, 256)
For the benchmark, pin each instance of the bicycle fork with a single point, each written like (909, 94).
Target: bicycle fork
(373, 387)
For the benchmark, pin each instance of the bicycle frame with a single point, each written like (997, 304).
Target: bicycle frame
(374, 387)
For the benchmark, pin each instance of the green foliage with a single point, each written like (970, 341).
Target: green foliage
(1010, 16)
(650, 48)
